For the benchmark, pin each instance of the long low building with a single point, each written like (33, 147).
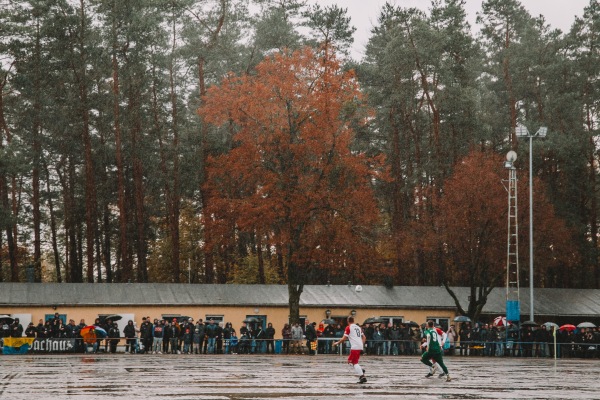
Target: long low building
(269, 303)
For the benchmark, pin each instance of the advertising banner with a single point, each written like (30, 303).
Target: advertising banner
(17, 345)
(23, 345)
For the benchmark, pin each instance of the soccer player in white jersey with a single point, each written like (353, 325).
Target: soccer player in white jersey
(357, 339)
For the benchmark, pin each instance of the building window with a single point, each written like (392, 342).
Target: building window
(216, 318)
(50, 317)
(393, 319)
(443, 322)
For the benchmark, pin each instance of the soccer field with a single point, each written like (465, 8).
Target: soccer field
(142, 376)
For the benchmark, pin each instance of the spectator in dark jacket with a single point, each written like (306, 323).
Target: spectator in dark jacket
(146, 334)
(54, 323)
(30, 331)
(114, 333)
(227, 336)
(201, 335)
(197, 337)
(286, 334)
(270, 336)
(219, 338)
(310, 333)
(541, 339)
(328, 334)
(129, 333)
(174, 332)
(158, 335)
(71, 328)
(16, 329)
(40, 329)
(61, 331)
(211, 336)
(258, 342)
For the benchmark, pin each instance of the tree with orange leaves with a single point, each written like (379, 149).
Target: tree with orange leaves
(291, 178)
(467, 238)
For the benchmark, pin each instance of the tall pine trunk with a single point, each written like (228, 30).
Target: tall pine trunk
(175, 200)
(53, 227)
(36, 153)
(125, 259)
(209, 266)
(90, 180)
(10, 239)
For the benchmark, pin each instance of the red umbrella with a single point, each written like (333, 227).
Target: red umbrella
(501, 321)
(567, 327)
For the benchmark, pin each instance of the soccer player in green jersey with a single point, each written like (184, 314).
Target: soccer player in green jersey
(434, 351)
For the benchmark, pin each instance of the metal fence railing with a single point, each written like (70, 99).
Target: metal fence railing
(290, 346)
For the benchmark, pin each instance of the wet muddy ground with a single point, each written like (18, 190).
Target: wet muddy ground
(236, 377)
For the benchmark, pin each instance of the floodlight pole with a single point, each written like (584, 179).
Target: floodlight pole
(522, 131)
(531, 317)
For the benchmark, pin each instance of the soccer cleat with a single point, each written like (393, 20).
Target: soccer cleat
(448, 379)
(443, 374)
(362, 379)
(429, 375)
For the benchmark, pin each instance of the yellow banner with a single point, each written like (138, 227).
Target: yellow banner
(18, 341)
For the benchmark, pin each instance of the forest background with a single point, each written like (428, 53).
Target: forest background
(236, 141)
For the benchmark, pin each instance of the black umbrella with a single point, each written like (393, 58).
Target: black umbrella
(112, 317)
(329, 321)
(6, 319)
(251, 320)
(374, 320)
(411, 323)
(529, 323)
(462, 318)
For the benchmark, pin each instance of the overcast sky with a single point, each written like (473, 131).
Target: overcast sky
(558, 13)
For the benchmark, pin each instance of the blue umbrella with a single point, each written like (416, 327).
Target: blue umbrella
(100, 332)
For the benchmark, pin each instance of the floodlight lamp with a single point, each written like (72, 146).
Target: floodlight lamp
(511, 156)
(542, 131)
(521, 131)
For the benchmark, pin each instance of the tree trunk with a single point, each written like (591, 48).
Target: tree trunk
(35, 173)
(512, 104)
(175, 195)
(209, 266)
(4, 129)
(125, 259)
(106, 247)
(91, 203)
(138, 187)
(53, 227)
(294, 292)
(261, 262)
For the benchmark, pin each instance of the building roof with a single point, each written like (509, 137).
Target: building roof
(551, 302)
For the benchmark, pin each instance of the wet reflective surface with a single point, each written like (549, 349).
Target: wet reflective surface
(290, 377)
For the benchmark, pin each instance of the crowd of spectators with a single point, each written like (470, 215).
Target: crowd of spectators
(175, 336)
(527, 341)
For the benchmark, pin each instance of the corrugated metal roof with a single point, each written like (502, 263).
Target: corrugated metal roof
(559, 302)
